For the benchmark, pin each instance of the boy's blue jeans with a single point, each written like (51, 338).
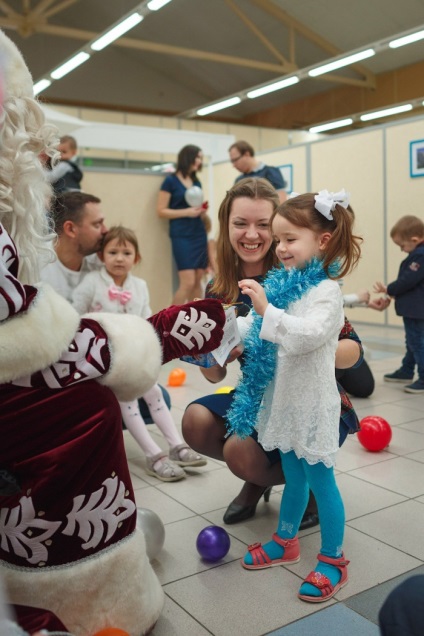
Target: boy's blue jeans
(414, 333)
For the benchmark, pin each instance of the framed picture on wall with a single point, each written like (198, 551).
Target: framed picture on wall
(416, 158)
(287, 173)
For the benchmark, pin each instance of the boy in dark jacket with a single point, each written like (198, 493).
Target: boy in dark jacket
(66, 175)
(408, 292)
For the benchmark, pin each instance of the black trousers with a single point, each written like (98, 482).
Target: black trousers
(358, 381)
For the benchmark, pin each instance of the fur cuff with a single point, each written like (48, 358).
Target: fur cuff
(34, 340)
(116, 588)
(136, 355)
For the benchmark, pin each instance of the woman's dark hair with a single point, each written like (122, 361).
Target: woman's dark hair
(185, 160)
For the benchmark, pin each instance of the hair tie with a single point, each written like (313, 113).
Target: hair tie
(325, 202)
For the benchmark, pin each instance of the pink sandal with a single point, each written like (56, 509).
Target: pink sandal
(323, 583)
(261, 560)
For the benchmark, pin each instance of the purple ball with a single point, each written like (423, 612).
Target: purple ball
(213, 543)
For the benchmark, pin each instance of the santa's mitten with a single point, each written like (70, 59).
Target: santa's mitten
(190, 329)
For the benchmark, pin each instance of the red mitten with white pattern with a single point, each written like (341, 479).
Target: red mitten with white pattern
(190, 329)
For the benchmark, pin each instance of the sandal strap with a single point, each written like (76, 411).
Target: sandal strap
(321, 582)
(258, 554)
(154, 458)
(285, 543)
(180, 447)
(339, 562)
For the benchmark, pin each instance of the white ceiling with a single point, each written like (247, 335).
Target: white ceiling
(169, 82)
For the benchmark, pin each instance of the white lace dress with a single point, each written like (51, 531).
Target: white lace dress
(301, 407)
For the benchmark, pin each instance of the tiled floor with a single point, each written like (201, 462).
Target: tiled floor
(384, 500)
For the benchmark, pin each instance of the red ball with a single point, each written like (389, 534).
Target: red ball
(111, 631)
(375, 433)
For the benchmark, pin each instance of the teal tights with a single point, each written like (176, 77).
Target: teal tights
(300, 476)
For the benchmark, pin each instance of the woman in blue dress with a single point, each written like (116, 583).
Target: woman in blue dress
(181, 201)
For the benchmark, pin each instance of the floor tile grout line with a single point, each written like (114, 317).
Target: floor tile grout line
(188, 613)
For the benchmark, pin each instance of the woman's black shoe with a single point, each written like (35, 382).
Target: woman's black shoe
(236, 513)
(309, 520)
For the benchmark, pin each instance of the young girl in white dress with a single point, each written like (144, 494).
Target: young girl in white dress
(115, 289)
(289, 391)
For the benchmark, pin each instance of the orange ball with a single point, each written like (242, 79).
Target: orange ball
(111, 631)
(177, 377)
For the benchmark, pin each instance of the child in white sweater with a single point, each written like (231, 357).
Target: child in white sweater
(114, 289)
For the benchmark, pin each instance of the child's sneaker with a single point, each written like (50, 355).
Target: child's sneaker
(415, 387)
(398, 376)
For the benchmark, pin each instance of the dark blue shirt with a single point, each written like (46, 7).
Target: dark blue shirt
(273, 175)
(408, 289)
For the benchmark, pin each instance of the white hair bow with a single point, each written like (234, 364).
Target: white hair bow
(325, 202)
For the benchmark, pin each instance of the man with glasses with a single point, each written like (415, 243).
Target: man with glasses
(242, 156)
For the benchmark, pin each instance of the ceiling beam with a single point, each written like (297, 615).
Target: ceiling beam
(87, 36)
(257, 32)
(342, 79)
(60, 7)
(41, 7)
(278, 13)
(8, 10)
(23, 24)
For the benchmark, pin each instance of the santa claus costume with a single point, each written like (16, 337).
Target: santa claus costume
(69, 544)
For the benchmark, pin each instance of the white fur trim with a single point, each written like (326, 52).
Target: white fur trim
(116, 588)
(17, 78)
(136, 354)
(35, 339)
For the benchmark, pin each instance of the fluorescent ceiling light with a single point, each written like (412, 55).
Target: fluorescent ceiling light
(407, 39)
(155, 5)
(276, 86)
(386, 112)
(218, 106)
(117, 31)
(345, 61)
(41, 86)
(334, 124)
(69, 66)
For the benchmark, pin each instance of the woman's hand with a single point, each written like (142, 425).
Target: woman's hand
(217, 373)
(256, 293)
(235, 353)
(194, 212)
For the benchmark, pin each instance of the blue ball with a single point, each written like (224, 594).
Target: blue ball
(213, 543)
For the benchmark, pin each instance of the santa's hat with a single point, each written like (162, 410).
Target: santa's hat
(16, 79)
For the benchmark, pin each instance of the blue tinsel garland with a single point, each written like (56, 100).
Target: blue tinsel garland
(282, 288)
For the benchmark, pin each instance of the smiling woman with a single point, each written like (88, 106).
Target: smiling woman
(245, 249)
